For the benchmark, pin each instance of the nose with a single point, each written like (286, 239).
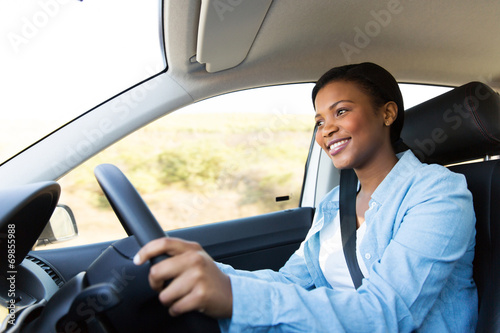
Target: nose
(329, 128)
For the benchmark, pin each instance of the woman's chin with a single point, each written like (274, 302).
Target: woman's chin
(342, 160)
(340, 164)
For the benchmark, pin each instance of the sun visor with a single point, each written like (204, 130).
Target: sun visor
(227, 30)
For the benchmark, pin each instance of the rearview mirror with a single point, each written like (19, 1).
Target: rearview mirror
(61, 227)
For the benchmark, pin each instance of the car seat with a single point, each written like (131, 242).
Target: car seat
(463, 125)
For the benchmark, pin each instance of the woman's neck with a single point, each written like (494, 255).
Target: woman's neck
(372, 175)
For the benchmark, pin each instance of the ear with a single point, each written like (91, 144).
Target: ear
(390, 112)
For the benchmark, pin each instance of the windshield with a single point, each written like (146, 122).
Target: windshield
(62, 58)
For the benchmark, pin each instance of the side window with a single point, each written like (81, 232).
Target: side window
(232, 156)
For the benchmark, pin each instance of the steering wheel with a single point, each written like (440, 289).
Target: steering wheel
(129, 207)
(137, 220)
(113, 294)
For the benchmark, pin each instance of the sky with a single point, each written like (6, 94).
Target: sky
(39, 38)
(59, 58)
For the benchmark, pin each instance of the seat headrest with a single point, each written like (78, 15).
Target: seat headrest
(460, 125)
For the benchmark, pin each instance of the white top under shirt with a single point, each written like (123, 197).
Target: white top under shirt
(331, 255)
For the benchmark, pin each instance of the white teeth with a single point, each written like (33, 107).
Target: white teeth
(338, 143)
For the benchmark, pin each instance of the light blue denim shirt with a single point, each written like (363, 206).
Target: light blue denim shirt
(418, 248)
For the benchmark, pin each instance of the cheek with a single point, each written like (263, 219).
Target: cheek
(356, 126)
(319, 138)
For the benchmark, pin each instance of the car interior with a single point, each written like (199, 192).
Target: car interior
(211, 49)
(237, 242)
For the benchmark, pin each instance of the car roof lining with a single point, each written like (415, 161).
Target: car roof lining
(420, 42)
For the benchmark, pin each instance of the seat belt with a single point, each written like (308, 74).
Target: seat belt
(347, 202)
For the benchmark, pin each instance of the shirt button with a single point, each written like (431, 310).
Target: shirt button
(373, 204)
(368, 256)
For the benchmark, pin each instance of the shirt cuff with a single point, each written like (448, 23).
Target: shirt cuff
(249, 309)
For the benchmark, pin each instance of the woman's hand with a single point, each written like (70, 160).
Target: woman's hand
(196, 283)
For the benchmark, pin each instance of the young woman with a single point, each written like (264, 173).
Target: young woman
(415, 236)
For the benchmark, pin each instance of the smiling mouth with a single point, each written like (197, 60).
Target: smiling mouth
(338, 146)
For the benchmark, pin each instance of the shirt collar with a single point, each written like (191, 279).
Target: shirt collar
(400, 172)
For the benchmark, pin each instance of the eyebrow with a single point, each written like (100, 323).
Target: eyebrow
(334, 105)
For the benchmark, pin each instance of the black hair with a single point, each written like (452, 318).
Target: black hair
(377, 82)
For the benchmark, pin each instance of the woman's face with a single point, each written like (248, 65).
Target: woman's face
(350, 129)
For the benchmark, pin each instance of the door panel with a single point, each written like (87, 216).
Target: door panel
(264, 241)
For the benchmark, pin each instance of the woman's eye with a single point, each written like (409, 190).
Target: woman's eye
(341, 112)
(319, 123)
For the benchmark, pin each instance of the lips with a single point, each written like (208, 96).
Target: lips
(336, 146)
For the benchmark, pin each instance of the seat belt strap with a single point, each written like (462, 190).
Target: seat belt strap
(347, 202)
